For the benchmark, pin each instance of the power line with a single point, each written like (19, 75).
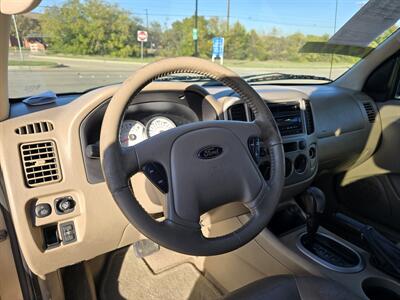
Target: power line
(239, 18)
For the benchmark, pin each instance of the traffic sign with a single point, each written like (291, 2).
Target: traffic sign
(142, 36)
(195, 34)
(218, 48)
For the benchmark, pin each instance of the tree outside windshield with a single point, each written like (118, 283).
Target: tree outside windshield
(72, 46)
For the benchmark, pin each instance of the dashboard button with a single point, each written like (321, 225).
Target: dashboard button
(68, 233)
(65, 205)
(42, 210)
(302, 145)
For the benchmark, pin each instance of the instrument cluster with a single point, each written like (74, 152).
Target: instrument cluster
(133, 132)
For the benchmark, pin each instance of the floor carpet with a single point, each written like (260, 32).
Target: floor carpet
(129, 277)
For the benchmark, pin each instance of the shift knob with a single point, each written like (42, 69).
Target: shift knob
(312, 201)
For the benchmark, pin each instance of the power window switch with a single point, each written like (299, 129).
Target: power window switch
(68, 232)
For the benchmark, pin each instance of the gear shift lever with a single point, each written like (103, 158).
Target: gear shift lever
(312, 201)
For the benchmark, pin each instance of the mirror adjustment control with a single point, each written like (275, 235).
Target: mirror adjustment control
(68, 232)
(42, 210)
(64, 205)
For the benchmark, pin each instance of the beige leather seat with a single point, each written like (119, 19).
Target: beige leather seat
(288, 287)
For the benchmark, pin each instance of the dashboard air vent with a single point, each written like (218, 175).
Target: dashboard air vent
(309, 118)
(40, 163)
(369, 109)
(237, 112)
(33, 128)
(287, 117)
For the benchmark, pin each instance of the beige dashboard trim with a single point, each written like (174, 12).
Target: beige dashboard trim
(4, 38)
(100, 225)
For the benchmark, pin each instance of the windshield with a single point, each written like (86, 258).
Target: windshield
(72, 46)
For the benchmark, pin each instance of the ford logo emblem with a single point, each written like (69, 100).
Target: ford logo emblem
(209, 152)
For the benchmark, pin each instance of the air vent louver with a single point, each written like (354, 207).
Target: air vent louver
(34, 128)
(40, 163)
(309, 118)
(371, 113)
(237, 112)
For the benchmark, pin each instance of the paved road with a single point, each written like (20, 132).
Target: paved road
(82, 74)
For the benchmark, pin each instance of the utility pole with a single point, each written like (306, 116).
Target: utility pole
(147, 19)
(195, 30)
(18, 39)
(228, 12)
(147, 25)
(334, 31)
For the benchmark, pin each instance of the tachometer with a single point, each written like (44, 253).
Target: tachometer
(131, 133)
(158, 125)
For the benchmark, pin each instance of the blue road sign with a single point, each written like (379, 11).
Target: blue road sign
(218, 47)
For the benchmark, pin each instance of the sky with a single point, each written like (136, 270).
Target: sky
(288, 16)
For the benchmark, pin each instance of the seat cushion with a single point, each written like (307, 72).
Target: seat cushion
(294, 288)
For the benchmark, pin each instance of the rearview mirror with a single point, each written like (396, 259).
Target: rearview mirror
(13, 7)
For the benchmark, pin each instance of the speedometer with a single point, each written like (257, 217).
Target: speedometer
(131, 133)
(158, 125)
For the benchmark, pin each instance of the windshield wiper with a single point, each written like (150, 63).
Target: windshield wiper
(282, 76)
(184, 78)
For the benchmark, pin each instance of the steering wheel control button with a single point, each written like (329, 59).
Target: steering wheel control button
(42, 210)
(64, 205)
(156, 174)
(68, 233)
(255, 148)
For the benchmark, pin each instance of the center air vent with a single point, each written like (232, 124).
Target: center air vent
(237, 112)
(33, 128)
(369, 109)
(40, 163)
(287, 117)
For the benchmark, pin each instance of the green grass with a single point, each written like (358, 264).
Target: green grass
(105, 57)
(32, 63)
(284, 64)
(227, 62)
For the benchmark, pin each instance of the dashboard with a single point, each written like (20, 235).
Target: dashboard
(324, 129)
(151, 113)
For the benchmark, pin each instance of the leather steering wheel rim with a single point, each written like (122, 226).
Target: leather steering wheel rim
(192, 192)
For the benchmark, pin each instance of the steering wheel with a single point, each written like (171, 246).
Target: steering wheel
(208, 164)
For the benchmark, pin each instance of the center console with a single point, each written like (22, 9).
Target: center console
(322, 252)
(296, 125)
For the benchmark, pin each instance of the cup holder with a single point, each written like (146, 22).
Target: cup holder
(380, 288)
(330, 253)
